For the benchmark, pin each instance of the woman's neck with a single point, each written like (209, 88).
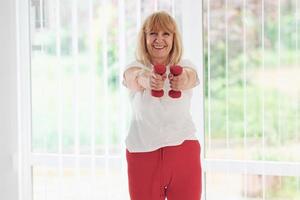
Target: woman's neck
(160, 61)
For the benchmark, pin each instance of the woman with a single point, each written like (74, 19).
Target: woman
(163, 152)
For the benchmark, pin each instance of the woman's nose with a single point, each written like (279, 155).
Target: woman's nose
(159, 38)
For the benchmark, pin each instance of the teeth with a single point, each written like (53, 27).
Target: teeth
(158, 47)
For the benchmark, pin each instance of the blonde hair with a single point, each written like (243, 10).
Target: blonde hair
(159, 21)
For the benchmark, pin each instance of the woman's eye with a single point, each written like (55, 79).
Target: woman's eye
(167, 34)
(153, 33)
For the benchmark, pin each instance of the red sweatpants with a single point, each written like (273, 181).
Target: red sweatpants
(173, 172)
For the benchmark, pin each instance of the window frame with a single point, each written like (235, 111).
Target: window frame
(24, 99)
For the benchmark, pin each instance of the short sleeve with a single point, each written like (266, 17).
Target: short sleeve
(189, 64)
(134, 64)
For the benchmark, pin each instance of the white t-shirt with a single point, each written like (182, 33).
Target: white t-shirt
(159, 122)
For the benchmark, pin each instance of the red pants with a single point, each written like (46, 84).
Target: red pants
(173, 172)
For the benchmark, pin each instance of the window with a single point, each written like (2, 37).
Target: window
(252, 99)
(251, 93)
(80, 111)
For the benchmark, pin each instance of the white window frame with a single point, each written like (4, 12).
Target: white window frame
(24, 99)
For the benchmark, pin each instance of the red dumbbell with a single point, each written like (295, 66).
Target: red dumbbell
(175, 70)
(159, 69)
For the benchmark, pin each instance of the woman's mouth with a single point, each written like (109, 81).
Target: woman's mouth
(158, 47)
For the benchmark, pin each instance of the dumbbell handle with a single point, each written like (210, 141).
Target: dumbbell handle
(175, 70)
(159, 69)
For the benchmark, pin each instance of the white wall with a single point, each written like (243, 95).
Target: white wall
(8, 101)
(193, 50)
(192, 42)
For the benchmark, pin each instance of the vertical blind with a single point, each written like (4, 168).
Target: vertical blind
(251, 59)
(80, 110)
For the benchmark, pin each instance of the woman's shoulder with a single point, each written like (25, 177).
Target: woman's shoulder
(135, 63)
(187, 63)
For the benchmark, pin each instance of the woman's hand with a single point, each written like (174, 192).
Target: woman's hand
(179, 82)
(186, 80)
(137, 79)
(157, 81)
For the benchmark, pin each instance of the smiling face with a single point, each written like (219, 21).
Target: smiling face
(159, 45)
(159, 41)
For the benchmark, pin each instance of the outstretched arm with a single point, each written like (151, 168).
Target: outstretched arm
(138, 79)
